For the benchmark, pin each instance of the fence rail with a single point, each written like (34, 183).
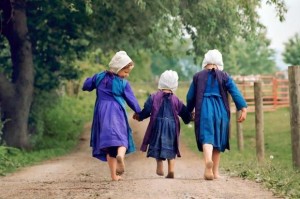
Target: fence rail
(275, 90)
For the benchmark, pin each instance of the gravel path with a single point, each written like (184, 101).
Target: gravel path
(79, 176)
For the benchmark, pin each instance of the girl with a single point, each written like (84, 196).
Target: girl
(162, 134)
(208, 95)
(111, 135)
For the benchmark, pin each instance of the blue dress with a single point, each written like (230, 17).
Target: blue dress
(214, 125)
(163, 143)
(110, 124)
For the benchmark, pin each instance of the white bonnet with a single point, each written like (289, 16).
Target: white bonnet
(213, 57)
(168, 80)
(119, 61)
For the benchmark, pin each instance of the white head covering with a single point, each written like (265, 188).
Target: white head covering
(213, 57)
(119, 61)
(168, 80)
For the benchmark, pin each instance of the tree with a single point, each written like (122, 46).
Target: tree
(43, 42)
(250, 56)
(16, 91)
(47, 36)
(292, 51)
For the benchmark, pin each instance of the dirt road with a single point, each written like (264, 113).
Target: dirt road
(79, 176)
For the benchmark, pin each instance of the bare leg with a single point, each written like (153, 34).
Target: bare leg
(171, 164)
(112, 164)
(207, 154)
(122, 151)
(120, 160)
(159, 167)
(216, 159)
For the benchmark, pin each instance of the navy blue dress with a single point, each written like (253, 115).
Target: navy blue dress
(163, 141)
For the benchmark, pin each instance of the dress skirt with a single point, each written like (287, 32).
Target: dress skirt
(214, 122)
(109, 127)
(163, 143)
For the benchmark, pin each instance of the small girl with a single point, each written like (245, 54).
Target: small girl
(111, 135)
(208, 95)
(162, 134)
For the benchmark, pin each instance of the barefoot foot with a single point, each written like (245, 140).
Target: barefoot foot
(116, 178)
(208, 173)
(120, 165)
(170, 175)
(217, 176)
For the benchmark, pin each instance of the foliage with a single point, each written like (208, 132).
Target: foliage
(59, 122)
(142, 68)
(56, 132)
(5, 162)
(76, 27)
(252, 56)
(178, 61)
(13, 158)
(57, 40)
(292, 51)
(156, 25)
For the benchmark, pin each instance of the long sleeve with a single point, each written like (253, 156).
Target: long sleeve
(236, 95)
(190, 98)
(185, 114)
(146, 112)
(131, 99)
(89, 84)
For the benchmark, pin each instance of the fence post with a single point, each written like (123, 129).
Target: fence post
(259, 121)
(294, 90)
(275, 92)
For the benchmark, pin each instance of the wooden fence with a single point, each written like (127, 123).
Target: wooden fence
(275, 90)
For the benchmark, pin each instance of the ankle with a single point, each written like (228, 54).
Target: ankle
(170, 174)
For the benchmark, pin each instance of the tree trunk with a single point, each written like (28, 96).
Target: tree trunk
(16, 94)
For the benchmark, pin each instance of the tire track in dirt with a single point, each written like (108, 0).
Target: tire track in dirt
(79, 176)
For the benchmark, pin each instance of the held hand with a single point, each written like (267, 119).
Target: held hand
(193, 116)
(136, 116)
(243, 115)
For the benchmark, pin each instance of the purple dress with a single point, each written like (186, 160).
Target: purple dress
(110, 124)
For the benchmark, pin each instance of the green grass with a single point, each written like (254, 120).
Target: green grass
(12, 159)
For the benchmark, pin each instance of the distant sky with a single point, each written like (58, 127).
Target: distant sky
(280, 32)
